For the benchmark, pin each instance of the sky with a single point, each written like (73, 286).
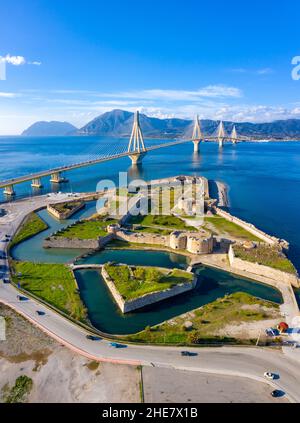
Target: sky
(74, 60)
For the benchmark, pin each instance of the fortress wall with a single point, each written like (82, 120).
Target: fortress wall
(251, 228)
(130, 305)
(66, 214)
(261, 270)
(62, 242)
(144, 238)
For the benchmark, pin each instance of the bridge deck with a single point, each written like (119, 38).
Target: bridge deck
(40, 174)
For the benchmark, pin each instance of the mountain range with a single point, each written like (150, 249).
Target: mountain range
(118, 123)
(53, 128)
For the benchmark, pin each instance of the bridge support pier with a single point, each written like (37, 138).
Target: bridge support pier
(56, 178)
(36, 183)
(196, 145)
(136, 158)
(221, 142)
(9, 190)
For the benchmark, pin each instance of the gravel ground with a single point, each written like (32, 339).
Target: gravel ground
(58, 374)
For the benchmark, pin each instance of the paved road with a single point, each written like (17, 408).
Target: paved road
(234, 361)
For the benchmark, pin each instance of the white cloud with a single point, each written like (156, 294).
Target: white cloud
(8, 95)
(264, 71)
(213, 91)
(36, 63)
(14, 60)
(18, 60)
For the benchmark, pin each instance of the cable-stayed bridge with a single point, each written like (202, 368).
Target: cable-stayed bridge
(104, 152)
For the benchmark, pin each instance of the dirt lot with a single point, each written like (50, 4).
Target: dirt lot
(58, 374)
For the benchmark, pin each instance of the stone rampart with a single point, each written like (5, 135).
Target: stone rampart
(130, 305)
(252, 229)
(261, 270)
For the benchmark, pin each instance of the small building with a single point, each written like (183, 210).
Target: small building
(282, 327)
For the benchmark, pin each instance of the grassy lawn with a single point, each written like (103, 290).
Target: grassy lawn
(168, 222)
(54, 283)
(87, 229)
(207, 320)
(220, 226)
(137, 281)
(32, 226)
(266, 255)
(152, 230)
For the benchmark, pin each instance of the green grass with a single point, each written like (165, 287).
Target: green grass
(32, 226)
(267, 256)
(152, 230)
(54, 283)
(138, 281)
(168, 222)
(20, 390)
(220, 226)
(207, 320)
(87, 229)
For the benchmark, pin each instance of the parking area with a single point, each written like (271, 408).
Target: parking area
(171, 386)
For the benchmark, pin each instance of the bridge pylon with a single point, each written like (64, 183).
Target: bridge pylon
(197, 134)
(221, 134)
(233, 135)
(57, 178)
(36, 183)
(136, 144)
(9, 190)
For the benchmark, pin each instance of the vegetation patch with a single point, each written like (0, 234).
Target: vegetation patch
(134, 282)
(265, 255)
(19, 391)
(87, 228)
(32, 226)
(200, 326)
(219, 225)
(158, 221)
(54, 283)
(152, 230)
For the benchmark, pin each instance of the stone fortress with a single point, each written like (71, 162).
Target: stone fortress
(195, 241)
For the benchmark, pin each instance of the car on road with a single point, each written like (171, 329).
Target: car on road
(188, 354)
(93, 338)
(40, 313)
(269, 375)
(116, 345)
(277, 393)
(22, 298)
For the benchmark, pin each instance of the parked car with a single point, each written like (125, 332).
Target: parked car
(269, 375)
(277, 393)
(188, 354)
(93, 338)
(22, 298)
(116, 345)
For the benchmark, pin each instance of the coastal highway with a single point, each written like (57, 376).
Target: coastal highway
(235, 361)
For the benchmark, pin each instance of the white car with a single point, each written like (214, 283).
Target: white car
(269, 375)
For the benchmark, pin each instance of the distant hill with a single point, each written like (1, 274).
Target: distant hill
(53, 128)
(118, 123)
